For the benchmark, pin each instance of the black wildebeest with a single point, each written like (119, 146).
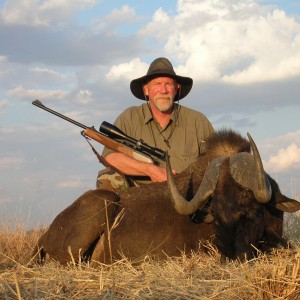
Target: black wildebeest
(231, 199)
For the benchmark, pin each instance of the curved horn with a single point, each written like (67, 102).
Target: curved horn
(248, 171)
(205, 189)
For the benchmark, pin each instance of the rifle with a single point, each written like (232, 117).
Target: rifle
(115, 139)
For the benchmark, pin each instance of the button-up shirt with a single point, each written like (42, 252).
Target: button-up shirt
(183, 137)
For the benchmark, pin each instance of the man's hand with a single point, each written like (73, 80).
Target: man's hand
(158, 174)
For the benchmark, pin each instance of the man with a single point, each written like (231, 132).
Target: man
(160, 123)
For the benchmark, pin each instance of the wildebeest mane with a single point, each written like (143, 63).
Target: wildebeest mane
(226, 142)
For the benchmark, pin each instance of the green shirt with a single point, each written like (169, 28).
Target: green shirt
(184, 135)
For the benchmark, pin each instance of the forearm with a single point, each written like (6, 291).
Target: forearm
(130, 166)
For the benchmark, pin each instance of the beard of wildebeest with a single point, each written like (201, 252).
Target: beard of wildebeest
(238, 218)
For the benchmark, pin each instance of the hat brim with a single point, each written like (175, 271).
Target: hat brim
(136, 85)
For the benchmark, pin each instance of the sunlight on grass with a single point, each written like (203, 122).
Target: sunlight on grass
(197, 276)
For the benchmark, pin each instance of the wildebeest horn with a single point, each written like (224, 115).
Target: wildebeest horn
(205, 189)
(248, 171)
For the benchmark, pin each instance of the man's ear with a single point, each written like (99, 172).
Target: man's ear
(146, 91)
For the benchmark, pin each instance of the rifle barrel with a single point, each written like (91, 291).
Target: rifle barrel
(39, 104)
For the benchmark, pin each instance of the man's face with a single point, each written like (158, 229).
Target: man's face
(161, 92)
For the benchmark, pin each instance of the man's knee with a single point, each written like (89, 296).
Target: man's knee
(109, 179)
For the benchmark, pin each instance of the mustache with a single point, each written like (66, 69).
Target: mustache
(163, 97)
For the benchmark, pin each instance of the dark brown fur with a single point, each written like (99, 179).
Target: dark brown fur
(239, 218)
(102, 226)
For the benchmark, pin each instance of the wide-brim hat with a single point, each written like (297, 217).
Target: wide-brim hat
(161, 67)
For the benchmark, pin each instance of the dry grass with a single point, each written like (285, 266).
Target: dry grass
(276, 276)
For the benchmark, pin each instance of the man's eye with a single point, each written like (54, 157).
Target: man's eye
(167, 84)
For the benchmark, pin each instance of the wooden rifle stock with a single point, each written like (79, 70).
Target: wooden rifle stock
(115, 146)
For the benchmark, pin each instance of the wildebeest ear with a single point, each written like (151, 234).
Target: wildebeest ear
(282, 202)
(288, 205)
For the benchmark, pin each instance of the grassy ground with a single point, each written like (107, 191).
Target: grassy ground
(276, 276)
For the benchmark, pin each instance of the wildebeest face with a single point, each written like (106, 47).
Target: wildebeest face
(239, 191)
(237, 218)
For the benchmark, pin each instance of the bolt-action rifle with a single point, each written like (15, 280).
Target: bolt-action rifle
(113, 138)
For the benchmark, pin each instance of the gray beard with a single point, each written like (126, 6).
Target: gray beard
(165, 106)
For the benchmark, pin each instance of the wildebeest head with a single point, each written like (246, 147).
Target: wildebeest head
(239, 191)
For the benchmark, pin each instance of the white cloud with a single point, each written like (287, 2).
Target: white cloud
(22, 93)
(133, 69)
(161, 26)
(286, 159)
(125, 14)
(237, 41)
(282, 141)
(283, 153)
(84, 97)
(42, 13)
(9, 162)
(117, 17)
(48, 72)
(73, 183)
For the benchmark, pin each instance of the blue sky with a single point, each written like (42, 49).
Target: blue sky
(79, 57)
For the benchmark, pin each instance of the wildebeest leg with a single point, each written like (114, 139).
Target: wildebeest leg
(89, 252)
(74, 230)
(103, 252)
(99, 252)
(38, 254)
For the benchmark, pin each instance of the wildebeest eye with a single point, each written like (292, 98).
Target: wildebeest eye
(245, 197)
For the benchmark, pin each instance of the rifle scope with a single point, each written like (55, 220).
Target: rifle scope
(114, 132)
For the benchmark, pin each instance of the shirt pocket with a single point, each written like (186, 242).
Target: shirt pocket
(182, 158)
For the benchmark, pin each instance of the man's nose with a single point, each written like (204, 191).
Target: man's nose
(164, 89)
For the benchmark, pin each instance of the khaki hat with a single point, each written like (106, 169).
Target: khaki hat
(161, 67)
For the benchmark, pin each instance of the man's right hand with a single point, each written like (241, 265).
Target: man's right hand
(158, 174)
